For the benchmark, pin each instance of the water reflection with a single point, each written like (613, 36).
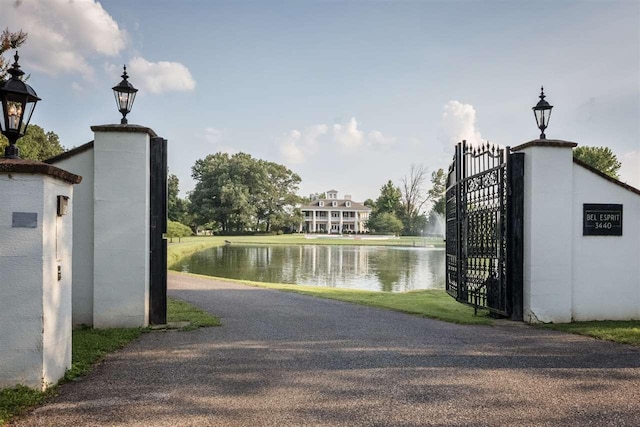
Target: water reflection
(386, 269)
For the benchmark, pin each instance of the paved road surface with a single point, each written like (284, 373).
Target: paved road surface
(283, 359)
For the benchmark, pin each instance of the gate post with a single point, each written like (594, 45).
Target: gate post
(36, 225)
(515, 212)
(547, 225)
(121, 212)
(158, 226)
(462, 288)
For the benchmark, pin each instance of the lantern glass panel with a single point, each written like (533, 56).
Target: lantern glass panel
(548, 117)
(542, 117)
(14, 115)
(26, 118)
(130, 98)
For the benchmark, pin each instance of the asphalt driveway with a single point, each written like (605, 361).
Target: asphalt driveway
(283, 359)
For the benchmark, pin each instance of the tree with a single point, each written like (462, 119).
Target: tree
(177, 208)
(9, 40)
(176, 229)
(241, 193)
(36, 144)
(601, 158)
(277, 198)
(389, 199)
(436, 193)
(385, 222)
(413, 199)
(385, 210)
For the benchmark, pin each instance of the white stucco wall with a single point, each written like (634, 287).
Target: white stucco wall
(547, 239)
(56, 304)
(606, 271)
(35, 308)
(569, 276)
(21, 282)
(121, 229)
(82, 295)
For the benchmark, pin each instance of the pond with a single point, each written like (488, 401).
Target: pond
(374, 268)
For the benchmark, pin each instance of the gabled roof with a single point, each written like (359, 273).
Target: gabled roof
(70, 153)
(605, 176)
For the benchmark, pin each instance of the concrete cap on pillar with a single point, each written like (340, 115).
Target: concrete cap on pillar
(35, 167)
(124, 128)
(545, 143)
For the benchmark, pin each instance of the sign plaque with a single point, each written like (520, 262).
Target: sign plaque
(24, 220)
(601, 219)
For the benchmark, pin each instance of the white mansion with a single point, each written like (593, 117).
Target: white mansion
(334, 215)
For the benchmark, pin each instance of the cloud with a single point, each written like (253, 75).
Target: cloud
(377, 140)
(348, 135)
(159, 77)
(290, 149)
(296, 145)
(630, 170)
(63, 35)
(212, 135)
(458, 122)
(311, 134)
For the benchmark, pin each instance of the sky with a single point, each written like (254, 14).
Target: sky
(347, 94)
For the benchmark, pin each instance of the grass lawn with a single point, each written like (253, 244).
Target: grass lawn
(88, 347)
(434, 304)
(180, 311)
(625, 332)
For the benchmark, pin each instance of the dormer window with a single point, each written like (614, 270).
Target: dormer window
(348, 204)
(321, 203)
(334, 204)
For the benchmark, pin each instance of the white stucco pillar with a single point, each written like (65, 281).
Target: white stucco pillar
(80, 162)
(548, 178)
(313, 221)
(341, 221)
(121, 226)
(35, 272)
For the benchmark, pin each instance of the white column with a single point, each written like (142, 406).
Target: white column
(121, 218)
(313, 221)
(341, 221)
(357, 223)
(35, 273)
(548, 179)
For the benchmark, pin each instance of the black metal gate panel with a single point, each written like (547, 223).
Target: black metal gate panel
(484, 228)
(157, 228)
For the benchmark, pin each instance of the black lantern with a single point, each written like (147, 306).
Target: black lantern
(125, 93)
(18, 102)
(542, 111)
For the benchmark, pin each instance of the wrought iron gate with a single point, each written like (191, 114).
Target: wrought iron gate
(484, 205)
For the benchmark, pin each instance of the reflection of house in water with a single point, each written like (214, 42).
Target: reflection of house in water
(355, 267)
(332, 264)
(334, 215)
